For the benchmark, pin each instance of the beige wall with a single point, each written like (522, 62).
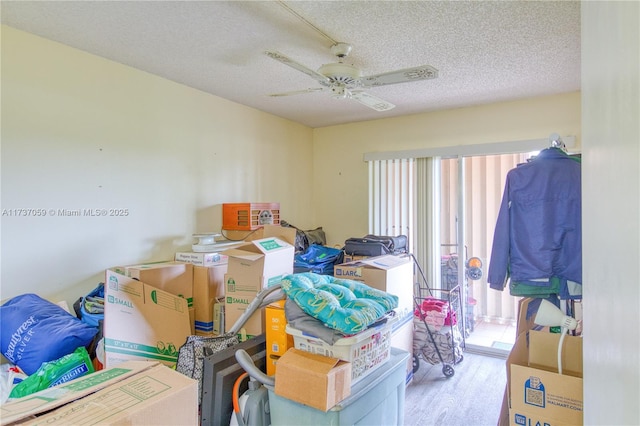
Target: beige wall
(341, 174)
(82, 132)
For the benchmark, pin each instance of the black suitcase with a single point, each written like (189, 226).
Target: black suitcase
(375, 245)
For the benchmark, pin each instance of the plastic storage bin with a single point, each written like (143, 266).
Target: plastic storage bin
(378, 399)
(366, 351)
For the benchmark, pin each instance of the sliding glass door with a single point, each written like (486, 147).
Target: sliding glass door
(470, 194)
(447, 203)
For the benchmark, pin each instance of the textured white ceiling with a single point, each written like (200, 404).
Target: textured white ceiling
(485, 51)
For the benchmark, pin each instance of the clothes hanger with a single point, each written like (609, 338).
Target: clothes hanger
(555, 141)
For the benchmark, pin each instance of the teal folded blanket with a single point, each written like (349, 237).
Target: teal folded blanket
(348, 306)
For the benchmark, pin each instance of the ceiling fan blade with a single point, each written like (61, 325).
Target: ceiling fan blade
(372, 101)
(297, 92)
(424, 72)
(296, 65)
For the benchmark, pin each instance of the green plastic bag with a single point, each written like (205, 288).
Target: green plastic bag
(76, 364)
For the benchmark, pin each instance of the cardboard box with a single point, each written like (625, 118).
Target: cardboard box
(142, 322)
(235, 304)
(524, 323)
(173, 277)
(259, 263)
(389, 273)
(277, 339)
(315, 380)
(236, 283)
(201, 259)
(537, 393)
(132, 393)
(284, 233)
(208, 287)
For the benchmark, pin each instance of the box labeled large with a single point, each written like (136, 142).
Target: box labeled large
(259, 263)
(538, 394)
(278, 341)
(311, 379)
(389, 273)
(134, 392)
(142, 322)
(208, 287)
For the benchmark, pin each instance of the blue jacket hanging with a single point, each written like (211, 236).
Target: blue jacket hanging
(538, 233)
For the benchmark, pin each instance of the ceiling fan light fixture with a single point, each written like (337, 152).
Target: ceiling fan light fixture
(340, 73)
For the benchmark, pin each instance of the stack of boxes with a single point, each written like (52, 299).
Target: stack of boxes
(152, 308)
(389, 273)
(208, 292)
(253, 267)
(313, 373)
(392, 274)
(224, 282)
(208, 289)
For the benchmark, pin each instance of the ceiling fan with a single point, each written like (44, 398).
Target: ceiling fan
(344, 81)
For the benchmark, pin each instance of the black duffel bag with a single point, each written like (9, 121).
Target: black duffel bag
(375, 245)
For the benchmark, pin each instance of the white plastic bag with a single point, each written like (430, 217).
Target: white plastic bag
(10, 375)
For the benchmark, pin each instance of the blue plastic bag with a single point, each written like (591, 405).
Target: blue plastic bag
(92, 306)
(318, 259)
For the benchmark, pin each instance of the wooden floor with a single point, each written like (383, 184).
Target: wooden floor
(472, 396)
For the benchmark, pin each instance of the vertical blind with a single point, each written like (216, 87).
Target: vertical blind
(418, 198)
(402, 200)
(485, 177)
(392, 195)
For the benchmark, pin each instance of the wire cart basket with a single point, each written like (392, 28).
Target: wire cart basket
(437, 338)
